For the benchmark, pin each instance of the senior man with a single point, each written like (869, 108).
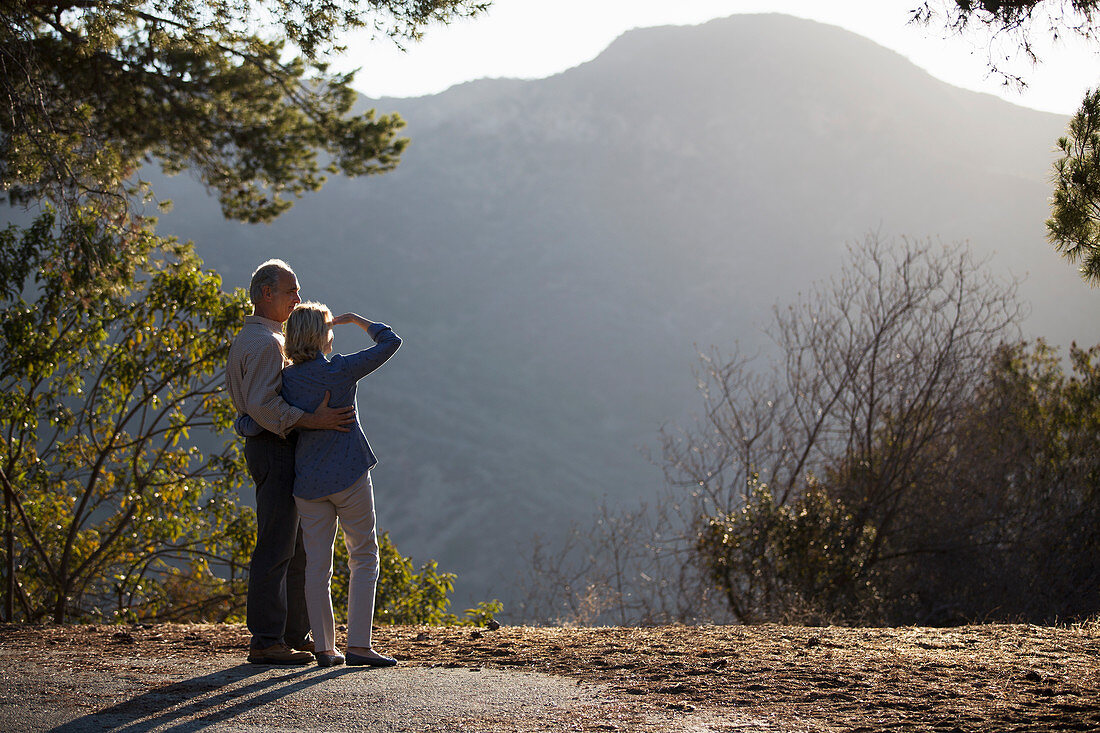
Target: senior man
(276, 609)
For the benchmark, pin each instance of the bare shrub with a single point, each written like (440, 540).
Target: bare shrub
(809, 477)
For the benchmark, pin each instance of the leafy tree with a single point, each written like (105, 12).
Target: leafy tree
(1017, 530)
(113, 338)
(97, 88)
(110, 510)
(100, 386)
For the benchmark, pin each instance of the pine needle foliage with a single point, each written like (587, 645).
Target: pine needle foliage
(1074, 225)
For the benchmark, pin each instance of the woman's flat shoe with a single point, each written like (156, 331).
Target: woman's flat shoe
(329, 660)
(358, 660)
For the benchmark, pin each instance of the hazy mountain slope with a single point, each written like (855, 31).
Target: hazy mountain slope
(553, 251)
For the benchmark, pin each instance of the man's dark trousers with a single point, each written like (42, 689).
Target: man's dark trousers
(276, 610)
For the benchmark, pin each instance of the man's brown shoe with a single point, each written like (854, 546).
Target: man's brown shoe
(305, 646)
(278, 654)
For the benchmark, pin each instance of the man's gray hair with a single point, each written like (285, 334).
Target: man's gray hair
(266, 275)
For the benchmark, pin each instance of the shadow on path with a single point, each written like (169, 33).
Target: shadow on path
(198, 702)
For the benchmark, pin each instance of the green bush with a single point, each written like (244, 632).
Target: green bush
(805, 561)
(405, 594)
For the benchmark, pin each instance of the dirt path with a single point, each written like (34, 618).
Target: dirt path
(700, 679)
(221, 694)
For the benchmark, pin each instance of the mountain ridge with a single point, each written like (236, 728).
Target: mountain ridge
(554, 251)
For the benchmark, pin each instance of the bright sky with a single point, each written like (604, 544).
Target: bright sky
(537, 38)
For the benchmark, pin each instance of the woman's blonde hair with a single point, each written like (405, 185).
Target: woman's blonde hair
(307, 331)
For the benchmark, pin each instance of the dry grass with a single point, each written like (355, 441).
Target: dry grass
(976, 678)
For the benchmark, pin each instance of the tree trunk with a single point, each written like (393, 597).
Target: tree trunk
(61, 607)
(9, 561)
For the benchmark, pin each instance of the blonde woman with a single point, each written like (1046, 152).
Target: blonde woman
(332, 483)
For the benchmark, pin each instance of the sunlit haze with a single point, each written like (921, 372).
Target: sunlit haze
(537, 38)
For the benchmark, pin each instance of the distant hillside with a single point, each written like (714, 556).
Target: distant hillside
(554, 251)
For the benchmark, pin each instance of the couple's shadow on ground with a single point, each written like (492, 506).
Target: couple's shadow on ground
(198, 702)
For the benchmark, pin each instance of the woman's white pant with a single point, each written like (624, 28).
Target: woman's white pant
(353, 509)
